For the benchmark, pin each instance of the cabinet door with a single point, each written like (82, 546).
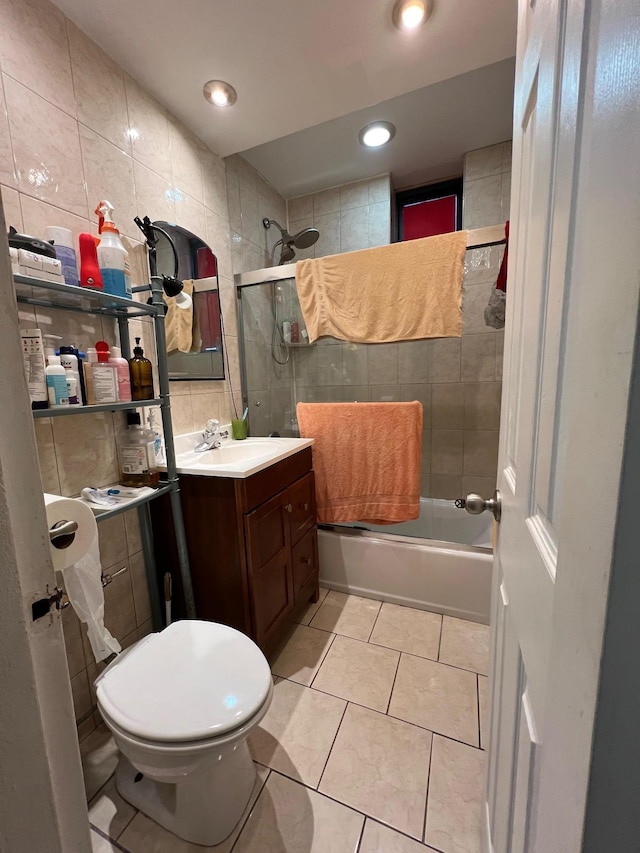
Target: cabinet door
(269, 564)
(304, 559)
(301, 506)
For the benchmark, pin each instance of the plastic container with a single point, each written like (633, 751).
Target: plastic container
(105, 377)
(92, 358)
(62, 240)
(122, 370)
(113, 258)
(56, 383)
(34, 367)
(70, 360)
(141, 372)
(136, 455)
(90, 275)
(158, 443)
(72, 389)
(295, 332)
(286, 332)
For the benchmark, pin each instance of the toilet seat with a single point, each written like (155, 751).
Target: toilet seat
(193, 681)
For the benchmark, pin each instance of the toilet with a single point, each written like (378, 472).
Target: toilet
(181, 704)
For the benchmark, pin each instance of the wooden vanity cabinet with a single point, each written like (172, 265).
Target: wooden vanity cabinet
(252, 545)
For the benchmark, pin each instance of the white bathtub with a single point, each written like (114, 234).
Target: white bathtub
(395, 563)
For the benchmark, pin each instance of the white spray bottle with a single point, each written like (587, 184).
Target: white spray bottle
(113, 258)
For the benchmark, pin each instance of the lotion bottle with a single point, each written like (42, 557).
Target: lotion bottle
(122, 370)
(56, 383)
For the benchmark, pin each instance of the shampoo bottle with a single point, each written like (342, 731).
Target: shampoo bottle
(141, 375)
(122, 370)
(113, 258)
(105, 380)
(56, 382)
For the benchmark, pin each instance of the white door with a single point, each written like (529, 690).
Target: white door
(572, 302)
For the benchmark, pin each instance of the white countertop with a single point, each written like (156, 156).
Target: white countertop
(235, 459)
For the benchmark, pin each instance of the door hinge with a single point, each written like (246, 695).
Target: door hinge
(58, 599)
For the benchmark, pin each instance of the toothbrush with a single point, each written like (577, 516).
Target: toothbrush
(245, 413)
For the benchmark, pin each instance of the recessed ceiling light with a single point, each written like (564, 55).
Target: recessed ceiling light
(409, 14)
(376, 134)
(219, 93)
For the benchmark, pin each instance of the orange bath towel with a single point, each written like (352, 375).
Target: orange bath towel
(366, 458)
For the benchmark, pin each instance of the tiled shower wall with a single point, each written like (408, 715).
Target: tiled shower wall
(75, 128)
(457, 380)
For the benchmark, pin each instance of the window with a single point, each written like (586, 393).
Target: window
(430, 210)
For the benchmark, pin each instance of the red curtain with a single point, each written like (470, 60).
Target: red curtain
(426, 218)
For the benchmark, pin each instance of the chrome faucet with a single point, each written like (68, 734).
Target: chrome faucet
(211, 437)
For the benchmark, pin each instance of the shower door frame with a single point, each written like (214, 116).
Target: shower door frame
(267, 275)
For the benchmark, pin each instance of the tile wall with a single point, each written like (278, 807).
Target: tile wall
(75, 128)
(458, 381)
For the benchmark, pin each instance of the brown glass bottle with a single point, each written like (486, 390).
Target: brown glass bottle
(141, 375)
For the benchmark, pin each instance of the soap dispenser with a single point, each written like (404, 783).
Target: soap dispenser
(141, 375)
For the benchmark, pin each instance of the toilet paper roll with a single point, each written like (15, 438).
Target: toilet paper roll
(78, 558)
(68, 549)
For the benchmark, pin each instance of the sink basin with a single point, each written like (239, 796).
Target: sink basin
(234, 458)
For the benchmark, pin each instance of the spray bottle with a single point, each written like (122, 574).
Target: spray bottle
(113, 258)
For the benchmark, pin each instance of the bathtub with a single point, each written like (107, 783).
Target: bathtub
(442, 561)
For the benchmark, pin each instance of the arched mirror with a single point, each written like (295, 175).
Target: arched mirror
(202, 357)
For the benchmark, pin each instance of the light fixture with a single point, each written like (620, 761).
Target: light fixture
(219, 93)
(409, 14)
(376, 134)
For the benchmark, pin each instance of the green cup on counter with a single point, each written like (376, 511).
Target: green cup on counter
(238, 428)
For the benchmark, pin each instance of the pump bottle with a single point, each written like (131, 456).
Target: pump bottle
(141, 375)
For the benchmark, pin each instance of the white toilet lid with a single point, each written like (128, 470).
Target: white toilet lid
(192, 681)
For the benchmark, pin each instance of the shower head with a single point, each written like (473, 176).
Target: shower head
(302, 240)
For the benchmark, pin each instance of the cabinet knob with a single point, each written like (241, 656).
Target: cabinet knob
(305, 507)
(289, 507)
(306, 560)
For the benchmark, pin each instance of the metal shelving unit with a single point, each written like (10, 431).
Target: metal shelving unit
(64, 297)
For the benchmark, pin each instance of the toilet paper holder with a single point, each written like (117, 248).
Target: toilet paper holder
(62, 533)
(106, 579)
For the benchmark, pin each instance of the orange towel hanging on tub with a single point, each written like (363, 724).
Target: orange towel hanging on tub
(366, 459)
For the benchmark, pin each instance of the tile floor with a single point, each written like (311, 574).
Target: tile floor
(373, 743)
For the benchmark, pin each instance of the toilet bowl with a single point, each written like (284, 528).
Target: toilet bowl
(180, 705)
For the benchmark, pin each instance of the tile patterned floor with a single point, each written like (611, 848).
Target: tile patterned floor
(373, 743)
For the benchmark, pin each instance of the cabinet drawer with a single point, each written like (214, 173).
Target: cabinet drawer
(301, 506)
(304, 559)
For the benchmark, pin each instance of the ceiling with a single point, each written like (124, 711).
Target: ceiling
(295, 64)
(436, 126)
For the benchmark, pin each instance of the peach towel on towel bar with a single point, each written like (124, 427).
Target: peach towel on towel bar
(401, 292)
(366, 459)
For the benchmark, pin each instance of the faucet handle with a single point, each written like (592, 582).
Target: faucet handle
(212, 425)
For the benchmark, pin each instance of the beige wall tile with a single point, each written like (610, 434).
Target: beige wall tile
(140, 587)
(217, 236)
(475, 300)
(483, 486)
(422, 393)
(46, 149)
(99, 89)
(445, 360)
(119, 608)
(482, 202)
(81, 694)
(182, 414)
(414, 358)
(383, 364)
(34, 50)
(300, 208)
(481, 453)
(79, 465)
(483, 162)
(11, 207)
(448, 406)
(73, 642)
(354, 229)
(132, 528)
(47, 456)
(214, 184)
(149, 129)
(328, 225)
(7, 170)
(446, 451)
(478, 358)
(379, 189)
(190, 214)
(186, 156)
(445, 487)
(354, 195)
(109, 175)
(379, 224)
(243, 171)
(482, 405)
(327, 201)
(154, 194)
(113, 542)
(499, 353)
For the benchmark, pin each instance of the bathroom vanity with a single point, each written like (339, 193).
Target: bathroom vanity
(250, 523)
